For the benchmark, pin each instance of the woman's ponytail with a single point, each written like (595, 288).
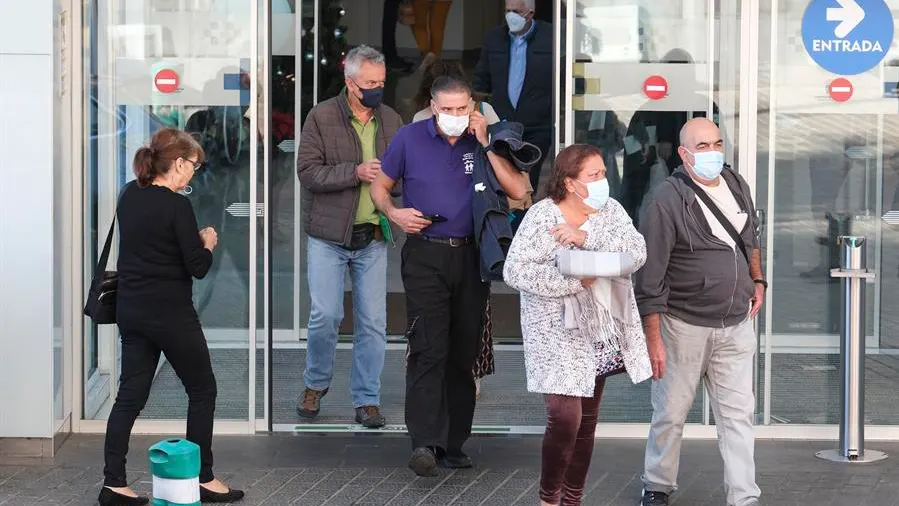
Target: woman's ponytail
(158, 157)
(144, 168)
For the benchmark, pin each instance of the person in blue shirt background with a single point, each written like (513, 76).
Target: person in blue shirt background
(516, 69)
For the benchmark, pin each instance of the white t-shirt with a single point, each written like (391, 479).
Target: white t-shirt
(724, 199)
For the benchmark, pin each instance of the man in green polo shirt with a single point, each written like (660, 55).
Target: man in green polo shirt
(342, 141)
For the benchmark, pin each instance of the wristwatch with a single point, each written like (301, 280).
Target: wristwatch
(761, 282)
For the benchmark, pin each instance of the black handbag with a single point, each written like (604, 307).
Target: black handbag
(101, 298)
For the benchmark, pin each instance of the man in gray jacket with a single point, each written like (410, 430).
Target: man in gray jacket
(698, 292)
(339, 156)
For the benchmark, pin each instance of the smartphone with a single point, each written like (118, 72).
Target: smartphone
(434, 218)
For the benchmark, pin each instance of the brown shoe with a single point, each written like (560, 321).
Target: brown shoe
(370, 417)
(310, 403)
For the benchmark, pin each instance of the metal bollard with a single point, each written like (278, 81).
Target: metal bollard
(854, 276)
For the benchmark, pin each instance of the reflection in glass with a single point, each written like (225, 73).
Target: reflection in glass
(826, 169)
(617, 46)
(156, 64)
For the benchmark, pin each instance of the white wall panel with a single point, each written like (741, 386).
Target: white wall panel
(26, 219)
(26, 27)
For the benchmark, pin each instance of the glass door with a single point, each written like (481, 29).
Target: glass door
(827, 159)
(633, 74)
(190, 65)
(309, 40)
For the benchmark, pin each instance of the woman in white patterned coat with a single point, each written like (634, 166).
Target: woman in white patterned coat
(577, 330)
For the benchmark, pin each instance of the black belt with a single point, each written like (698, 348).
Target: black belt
(453, 242)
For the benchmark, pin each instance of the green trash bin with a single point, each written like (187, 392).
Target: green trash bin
(175, 466)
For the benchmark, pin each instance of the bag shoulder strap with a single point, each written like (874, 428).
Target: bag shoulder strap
(104, 255)
(103, 261)
(728, 226)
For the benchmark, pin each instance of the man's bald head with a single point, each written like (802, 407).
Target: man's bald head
(699, 135)
(699, 130)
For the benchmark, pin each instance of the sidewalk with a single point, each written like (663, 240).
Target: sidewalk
(369, 470)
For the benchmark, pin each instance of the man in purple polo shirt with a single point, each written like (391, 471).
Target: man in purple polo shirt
(445, 297)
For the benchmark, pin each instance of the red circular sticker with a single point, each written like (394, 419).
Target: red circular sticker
(167, 81)
(840, 89)
(655, 87)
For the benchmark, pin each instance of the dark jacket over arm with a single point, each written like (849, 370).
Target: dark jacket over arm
(490, 208)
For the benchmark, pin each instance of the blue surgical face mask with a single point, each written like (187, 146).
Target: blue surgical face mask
(597, 193)
(708, 164)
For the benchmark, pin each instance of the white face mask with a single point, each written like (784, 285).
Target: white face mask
(453, 126)
(597, 193)
(516, 22)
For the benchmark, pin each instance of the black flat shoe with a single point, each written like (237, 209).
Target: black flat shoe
(232, 495)
(108, 497)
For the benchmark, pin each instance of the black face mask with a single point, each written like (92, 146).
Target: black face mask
(371, 97)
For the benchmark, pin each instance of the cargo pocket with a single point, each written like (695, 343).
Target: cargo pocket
(411, 326)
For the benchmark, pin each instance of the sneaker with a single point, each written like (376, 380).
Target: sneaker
(310, 403)
(423, 462)
(654, 499)
(370, 417)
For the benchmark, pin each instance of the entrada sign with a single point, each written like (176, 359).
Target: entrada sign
(847, 37)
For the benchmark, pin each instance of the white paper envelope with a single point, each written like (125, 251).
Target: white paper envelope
(593, 264)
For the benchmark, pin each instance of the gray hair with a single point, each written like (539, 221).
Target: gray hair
(359, 55)
(529, 4)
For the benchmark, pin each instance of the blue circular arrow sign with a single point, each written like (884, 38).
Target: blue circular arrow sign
(847, 37)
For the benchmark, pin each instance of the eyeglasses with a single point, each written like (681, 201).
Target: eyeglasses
(198, 165)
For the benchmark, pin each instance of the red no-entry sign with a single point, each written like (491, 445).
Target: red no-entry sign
(167, 81)
(840, 89)
(655, 87)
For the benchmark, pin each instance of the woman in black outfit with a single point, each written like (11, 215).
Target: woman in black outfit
(160, 252)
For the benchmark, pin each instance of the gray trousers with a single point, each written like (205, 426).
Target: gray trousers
(723, 357)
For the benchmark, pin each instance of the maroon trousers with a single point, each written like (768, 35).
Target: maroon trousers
(568, 446)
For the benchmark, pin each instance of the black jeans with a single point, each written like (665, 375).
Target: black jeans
(185, 348)
(445, 304)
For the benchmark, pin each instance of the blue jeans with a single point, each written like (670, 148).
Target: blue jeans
(327, 266)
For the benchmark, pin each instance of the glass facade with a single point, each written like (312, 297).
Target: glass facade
(241, 75)
(824, 168)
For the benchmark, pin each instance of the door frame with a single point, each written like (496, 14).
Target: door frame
(259, 10)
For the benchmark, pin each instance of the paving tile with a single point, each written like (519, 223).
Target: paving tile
(353, 471)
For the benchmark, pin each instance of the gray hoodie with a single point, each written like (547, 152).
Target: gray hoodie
(689, 273)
